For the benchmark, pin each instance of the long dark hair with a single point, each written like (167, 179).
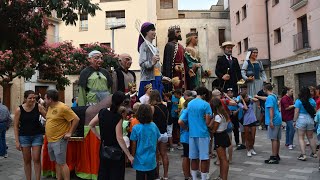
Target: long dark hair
(117, 99)
(217, 108)
(304, 96)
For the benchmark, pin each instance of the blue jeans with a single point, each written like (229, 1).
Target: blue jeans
(290, 132)
(3, 145)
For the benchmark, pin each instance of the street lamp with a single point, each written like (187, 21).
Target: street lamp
(113, 28)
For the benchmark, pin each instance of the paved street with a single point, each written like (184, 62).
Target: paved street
(243, 168)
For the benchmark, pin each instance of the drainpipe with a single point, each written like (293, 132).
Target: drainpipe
(268, 39)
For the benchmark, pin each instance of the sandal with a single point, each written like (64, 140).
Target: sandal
(216, 163)
(212, 156)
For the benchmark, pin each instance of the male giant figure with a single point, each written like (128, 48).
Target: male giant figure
(228, 69)
(122, 76)
(173, 59)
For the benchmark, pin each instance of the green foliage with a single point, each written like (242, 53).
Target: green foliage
(23, 29)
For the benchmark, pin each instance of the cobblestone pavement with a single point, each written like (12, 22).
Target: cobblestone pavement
(242, 168)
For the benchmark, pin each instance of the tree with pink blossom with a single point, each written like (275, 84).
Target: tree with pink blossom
(23, 28)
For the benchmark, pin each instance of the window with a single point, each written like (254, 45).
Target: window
(307, 79)
(277, 36)
(239, 47)
(280, 83)
(238, 17)
(83, 45)
(75, 87)
(244, 11)
(193, 30)
(222, 37)
(166, 4)
(115, 18)
(245, 43)
(106, 44)
(301, 39)
(275, 2)
(83, 22)
(182, 16)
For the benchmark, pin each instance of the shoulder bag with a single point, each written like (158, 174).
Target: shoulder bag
(109, 152)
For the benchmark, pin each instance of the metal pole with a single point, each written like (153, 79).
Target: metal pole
(112, 45)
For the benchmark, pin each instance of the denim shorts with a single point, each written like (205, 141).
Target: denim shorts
(305, 122)
(199, 148)
(30, 141)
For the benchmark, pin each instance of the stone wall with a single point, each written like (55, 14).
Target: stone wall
(290, 73)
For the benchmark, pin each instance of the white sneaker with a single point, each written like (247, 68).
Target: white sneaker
(249, 154)
(1, 157)
(253, 152)
(260, 127)
(171, 149)
(290, 147)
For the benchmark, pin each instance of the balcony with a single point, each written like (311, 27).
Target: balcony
(301, 41)
(297, 4)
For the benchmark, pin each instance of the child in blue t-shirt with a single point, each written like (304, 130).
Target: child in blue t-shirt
(184, 139)
(273, 120)
(234, 117)
(144, 139)
(317, 120)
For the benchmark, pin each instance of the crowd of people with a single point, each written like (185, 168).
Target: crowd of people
(171, 109)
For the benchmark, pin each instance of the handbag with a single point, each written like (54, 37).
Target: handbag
(110, 152)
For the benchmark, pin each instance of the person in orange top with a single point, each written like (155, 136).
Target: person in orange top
(134, 121)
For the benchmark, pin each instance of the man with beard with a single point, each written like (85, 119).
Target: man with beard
(173, 59)
(228, 69)
(122, 76)
(95, 83)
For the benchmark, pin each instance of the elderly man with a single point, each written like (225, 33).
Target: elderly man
(95, 83)
(228, 69)
(122, 76)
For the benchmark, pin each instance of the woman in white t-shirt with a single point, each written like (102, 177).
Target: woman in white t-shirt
(222, 140)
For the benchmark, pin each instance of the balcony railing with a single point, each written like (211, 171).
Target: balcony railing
(301, 41)
(297, 4)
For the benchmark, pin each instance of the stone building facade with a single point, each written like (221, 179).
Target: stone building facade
(286, 34)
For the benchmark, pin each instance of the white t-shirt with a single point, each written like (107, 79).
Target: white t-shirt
(144, 99)
(223, 123)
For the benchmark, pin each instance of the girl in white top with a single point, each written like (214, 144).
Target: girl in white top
(222, 140)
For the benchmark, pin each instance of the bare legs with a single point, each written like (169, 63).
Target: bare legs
(63, 172)
(34, 155)
(224, 165)
(162, 148)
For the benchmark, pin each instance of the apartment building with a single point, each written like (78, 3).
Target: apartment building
(286, 34)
